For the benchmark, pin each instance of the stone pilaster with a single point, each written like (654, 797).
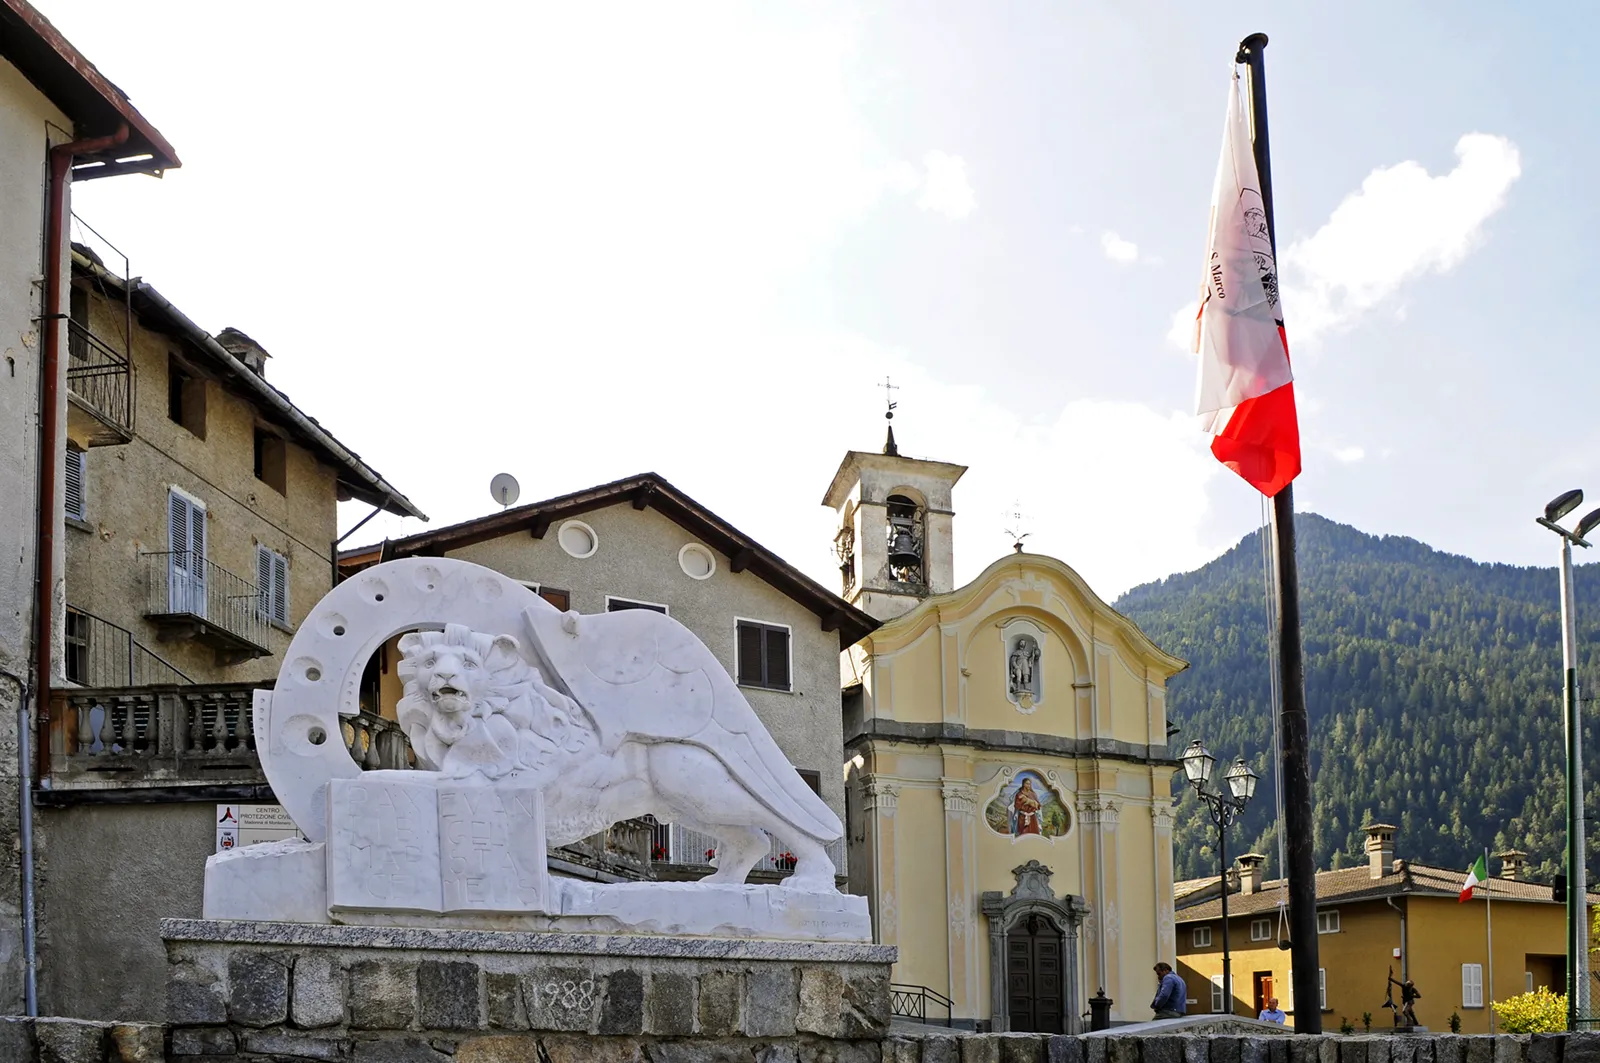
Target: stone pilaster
(960, 806)
(881, 797)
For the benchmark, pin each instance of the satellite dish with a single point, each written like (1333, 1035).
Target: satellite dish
(503, 488)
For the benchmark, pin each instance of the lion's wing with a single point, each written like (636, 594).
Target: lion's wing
(655, 681)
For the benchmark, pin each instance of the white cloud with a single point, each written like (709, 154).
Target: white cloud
(1349, 455)
(1181, 334)
(1401, 224)
(1117, 249)
(945, 189)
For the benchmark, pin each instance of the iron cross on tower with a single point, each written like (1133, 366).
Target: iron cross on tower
(889, 446)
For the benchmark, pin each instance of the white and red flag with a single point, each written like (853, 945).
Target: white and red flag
(1245, 392)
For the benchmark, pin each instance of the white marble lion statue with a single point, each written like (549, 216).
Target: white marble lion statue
(637, 717)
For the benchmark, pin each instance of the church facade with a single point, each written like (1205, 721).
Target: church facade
(1008, 782)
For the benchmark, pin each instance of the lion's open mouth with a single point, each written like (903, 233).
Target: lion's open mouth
(449, 692)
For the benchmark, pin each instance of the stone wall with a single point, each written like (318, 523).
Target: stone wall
(78, 1041)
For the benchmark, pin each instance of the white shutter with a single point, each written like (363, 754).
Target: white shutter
(263, 580)
(1472, 985)
(280, 589)
(186, 573)
(1322, 988)
(73, 497)
(1217, 1005)
(178, 525)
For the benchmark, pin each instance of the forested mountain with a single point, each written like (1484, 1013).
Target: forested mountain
(1433, 684)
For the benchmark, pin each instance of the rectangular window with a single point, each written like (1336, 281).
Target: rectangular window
(73, 500)
(271, 461)
(1202, 937)
(617, 605)
(1219, 997)
(1322, 988)
(272, 585)
(186, 563)
(186, 397)
(1260, 929)
(812, 779)
(1472, 985)
(1328, 922)
(554, 595)
(763, 652)
(77, 662)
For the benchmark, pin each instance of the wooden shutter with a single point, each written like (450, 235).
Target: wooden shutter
(750, 655)
(178, 527)
(560, 599)
(777, 653)
(280, 589)
(73, 497)
(263, 580)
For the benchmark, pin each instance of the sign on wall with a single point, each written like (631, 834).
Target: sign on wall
(249, 824)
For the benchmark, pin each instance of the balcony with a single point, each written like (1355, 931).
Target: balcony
(190, 598)
(99, 389)
(185, 742)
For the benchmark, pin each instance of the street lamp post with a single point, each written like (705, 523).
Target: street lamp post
(1577, 873)
(1224, 808)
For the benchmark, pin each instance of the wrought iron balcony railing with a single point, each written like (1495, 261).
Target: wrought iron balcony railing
(103, 654)
(189, 597)
(100, 382)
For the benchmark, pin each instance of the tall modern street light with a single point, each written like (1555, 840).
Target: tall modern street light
(1224, 809)
(1577, 874)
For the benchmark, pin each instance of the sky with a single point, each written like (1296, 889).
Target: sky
(574, 242)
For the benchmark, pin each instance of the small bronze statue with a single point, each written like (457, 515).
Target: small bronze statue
(1406, 1013)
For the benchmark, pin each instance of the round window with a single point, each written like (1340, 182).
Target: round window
(578, 539)
(696, 561)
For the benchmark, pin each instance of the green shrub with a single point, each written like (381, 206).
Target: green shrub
(1345, 1025)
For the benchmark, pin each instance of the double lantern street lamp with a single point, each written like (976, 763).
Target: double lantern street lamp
(1224, 808)
(1577, 884)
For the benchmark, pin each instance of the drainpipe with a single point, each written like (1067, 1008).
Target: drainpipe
(61, 156)
(1405, 953)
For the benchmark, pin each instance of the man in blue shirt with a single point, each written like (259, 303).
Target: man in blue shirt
(1172, 996)
(1271, 1013)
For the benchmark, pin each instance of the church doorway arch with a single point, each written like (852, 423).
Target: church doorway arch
(1033, 955)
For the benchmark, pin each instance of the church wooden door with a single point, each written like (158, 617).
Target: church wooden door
(1033, 976)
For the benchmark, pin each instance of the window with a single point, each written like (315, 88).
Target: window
(763, 655)
(272, 585)
(271, 460)
(1527, 981)
(77, 662)
(1260, 929)
(186, 563)
(73, 500)
(1328, 922)
(186, 397)
(1219, 998)
(559, 598)
(617, 605)
(813, 779)
(1472, 985)
(1322, 988)
(1202, 937)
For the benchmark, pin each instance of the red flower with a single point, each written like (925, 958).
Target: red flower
(709, 854)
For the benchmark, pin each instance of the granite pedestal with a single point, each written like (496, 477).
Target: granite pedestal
(365, 992)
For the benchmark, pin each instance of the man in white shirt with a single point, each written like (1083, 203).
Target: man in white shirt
(1271, 1013)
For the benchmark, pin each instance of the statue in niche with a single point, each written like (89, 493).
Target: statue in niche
(1022, 671)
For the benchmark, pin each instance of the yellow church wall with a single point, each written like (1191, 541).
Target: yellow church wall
(923, 906)
(917, 693)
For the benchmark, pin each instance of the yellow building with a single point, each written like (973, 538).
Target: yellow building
(1009, 779)
(1386, 914)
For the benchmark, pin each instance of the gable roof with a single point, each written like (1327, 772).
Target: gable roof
(1355, 883)
(357, 479)
(97, 107)
(645, 491)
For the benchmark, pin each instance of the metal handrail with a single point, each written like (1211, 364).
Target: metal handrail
(102, 654)
(911, 1002)
(99, 375)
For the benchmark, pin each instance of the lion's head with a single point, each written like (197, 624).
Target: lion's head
(455, 670)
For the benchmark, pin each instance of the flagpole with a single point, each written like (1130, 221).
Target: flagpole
(1294, 763)
(1488, 919)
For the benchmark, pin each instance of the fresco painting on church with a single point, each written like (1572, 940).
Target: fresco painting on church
(1027, 805)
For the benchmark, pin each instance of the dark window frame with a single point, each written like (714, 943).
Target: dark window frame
(272, 460)
(186, 397)
(618, 604)
(763, 678)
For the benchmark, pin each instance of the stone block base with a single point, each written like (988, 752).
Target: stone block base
(362, 992)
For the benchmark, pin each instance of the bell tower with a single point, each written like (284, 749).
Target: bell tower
(893, 537)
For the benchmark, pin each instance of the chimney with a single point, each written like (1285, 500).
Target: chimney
(1250, 873)
(1513, 865)
(1380, 849)
(247, 350)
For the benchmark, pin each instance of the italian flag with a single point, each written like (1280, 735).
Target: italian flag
(1245, 391)
(1477, 875)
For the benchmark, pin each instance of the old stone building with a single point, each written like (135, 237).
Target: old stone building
(1009, 778)
(199, 512)
(641, 543)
